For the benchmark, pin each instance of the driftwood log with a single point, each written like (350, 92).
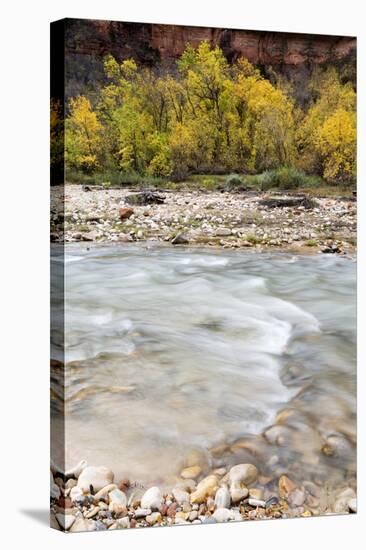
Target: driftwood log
(288, 202)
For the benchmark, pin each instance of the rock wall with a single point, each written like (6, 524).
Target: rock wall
(88, 41)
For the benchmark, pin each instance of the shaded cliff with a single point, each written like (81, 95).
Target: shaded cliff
(87, 42)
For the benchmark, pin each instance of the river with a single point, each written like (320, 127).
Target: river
(171, 351)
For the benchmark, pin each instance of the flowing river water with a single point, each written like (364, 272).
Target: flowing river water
(234, 356)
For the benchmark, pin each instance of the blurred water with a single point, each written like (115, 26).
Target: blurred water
(169, 350)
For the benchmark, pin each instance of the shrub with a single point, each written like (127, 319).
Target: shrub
(311, 242)
(286, 177)
(235, 183)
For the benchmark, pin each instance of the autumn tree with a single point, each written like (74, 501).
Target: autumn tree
(57, 140)
(328, 130)
(208, 115)
(82, 135)
(336, 144)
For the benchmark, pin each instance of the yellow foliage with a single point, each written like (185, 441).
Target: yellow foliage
(209, 115)
(82, 135)
(333, 109)
(336, 142)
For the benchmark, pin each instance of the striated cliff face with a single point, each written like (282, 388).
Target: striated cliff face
(88, 41)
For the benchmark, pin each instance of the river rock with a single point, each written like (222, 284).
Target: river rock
(93, 512)
(135, 497)
(188, 485)
(191, 473)
(222, 515)
(65, 521)
(181, 518)
(180, 238)
(90, 236)
(116, 496)
(125, 213)
(193, 515)
(205, 488)
(336, 445)
(256, 502)
(219, 472)
(277, 435)
(210, 503)
(238, 492)
(103, 492)
(70, 483)
(296, 498)
(171, 511)
(121, 523)
(77, 495)
(256, 493)
(95, 476)
(312, 489)
(245, 474)
(180, 496)
(341, 504)
(82, 524)
(222, 498)
(154, 518)
(352, 505)
(285, 486)
(152, 499)
(272, 501)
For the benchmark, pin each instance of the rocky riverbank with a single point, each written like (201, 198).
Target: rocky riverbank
(221, 219)
(88, 498)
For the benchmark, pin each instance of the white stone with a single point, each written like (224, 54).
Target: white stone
(103, 492)
(180, 496)
(238, 492)
(222, 515)
(342, 500)
(352, 505)
(117, 497)
(122, 523)
(245, 474)
(222, 498)
(98, 477)
(93, 512)
(71, 483)
(76, 494)
(257, 502)
(152, 499)
(296, 497)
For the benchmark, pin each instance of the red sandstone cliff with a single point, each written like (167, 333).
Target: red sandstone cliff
(88, 41)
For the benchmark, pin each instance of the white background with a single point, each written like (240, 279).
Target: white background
(24, 202)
